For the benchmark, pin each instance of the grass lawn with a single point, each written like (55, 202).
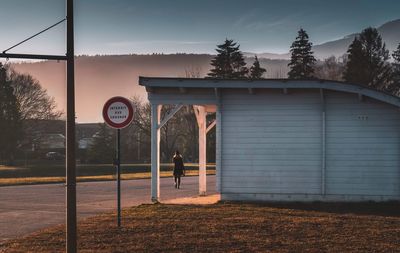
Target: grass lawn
(55, 173)
(314, 227)
(126, 176)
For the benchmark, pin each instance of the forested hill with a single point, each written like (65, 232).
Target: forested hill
(101, 77)
(390, 32)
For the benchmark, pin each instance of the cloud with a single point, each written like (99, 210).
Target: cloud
(254, 20)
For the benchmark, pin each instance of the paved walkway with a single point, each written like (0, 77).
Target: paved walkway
(196, 200)
(25, 209)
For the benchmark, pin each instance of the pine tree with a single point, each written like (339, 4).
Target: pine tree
(229, 62)
(368, 61)
(10, 121)
(256, 71)
(356, 66)
(302, 60)
(395, 83)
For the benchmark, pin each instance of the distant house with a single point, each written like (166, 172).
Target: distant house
(86, 130)
(50, 142)
(289, 140)
(85, 134)
(85, 143)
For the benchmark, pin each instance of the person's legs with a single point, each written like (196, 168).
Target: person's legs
(175, 179)
(179, 181)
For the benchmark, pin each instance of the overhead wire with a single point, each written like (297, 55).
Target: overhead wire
(33, 36)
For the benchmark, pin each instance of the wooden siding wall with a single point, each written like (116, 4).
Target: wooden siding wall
(272, 145)
(271, 142)
(362, 146)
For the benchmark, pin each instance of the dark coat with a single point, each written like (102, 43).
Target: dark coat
(179, 168)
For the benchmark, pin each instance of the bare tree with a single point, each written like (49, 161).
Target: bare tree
(33, 101)
(193, 72)
(180, 132)
(330, 69)
(142, 115)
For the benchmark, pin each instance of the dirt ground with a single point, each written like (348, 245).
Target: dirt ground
(232, 227)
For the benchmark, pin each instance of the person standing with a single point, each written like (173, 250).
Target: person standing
(179, 169)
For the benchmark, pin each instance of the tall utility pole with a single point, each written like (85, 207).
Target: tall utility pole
(71, 162)
(71, 246)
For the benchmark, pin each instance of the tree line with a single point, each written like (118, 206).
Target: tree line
(366, 63)
(22, 100)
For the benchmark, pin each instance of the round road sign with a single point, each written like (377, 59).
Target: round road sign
(118, 112)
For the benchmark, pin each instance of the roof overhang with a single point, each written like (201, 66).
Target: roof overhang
(183, 84)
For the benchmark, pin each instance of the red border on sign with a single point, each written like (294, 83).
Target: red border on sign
(130, 110)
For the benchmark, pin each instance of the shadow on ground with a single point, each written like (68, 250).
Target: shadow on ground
(386, 209)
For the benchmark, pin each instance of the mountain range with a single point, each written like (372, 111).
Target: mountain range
(100, 77)
(389, 31)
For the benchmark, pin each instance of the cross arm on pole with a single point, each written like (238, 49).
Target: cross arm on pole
(33, 56)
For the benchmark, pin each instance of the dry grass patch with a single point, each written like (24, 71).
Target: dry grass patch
(125, 176)
(228, 228)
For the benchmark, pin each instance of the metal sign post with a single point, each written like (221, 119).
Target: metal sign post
(118, 164)
(118, 113)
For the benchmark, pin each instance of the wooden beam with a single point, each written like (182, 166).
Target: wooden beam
(211, 126)
(169, 116)
(211, 108)
(198, 110)
(196, 113)
(201, 113)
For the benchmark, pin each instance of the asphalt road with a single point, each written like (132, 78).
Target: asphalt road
(26, 209)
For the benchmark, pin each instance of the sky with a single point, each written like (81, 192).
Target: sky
(186, 26)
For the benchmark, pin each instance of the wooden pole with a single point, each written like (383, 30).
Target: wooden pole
(71, 236)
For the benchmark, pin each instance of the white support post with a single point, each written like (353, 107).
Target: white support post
(155, 152)
(200, 112)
